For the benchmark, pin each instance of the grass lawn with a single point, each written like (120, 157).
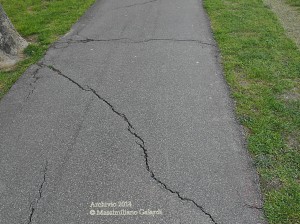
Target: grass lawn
(294, 2)
(262, 67)
(289, 17)
(41, 22)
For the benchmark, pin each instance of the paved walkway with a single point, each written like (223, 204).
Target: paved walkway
(127, 119)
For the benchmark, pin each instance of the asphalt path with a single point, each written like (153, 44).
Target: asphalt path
(127, 120)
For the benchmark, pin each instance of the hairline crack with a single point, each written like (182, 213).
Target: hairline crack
(34, 204)
(136, 4)
(35, 79)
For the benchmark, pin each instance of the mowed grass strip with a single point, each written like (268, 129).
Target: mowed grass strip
(294, 3)
(262, 67)
(288, 16)
(41, 22)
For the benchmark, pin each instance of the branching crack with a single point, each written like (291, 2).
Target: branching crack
(65, 44)
(139, 141)
(136, 4)
(35, 79)
(34, 204)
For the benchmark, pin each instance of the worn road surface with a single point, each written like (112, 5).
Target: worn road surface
(127, 120)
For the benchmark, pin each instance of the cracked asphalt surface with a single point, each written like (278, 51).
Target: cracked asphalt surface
(130, 105)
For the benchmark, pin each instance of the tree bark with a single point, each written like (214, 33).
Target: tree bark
(11, 43)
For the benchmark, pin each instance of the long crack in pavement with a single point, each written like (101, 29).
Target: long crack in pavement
(136, 4)
(139, 141)
(65, 44)
(34, 204)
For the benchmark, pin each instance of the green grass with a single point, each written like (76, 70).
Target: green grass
(262, 67)
(294, 2)
(42, 21)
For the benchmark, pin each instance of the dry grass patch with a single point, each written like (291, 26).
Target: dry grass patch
(289, 17)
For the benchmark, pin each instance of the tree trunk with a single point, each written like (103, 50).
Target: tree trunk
(11, 43)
